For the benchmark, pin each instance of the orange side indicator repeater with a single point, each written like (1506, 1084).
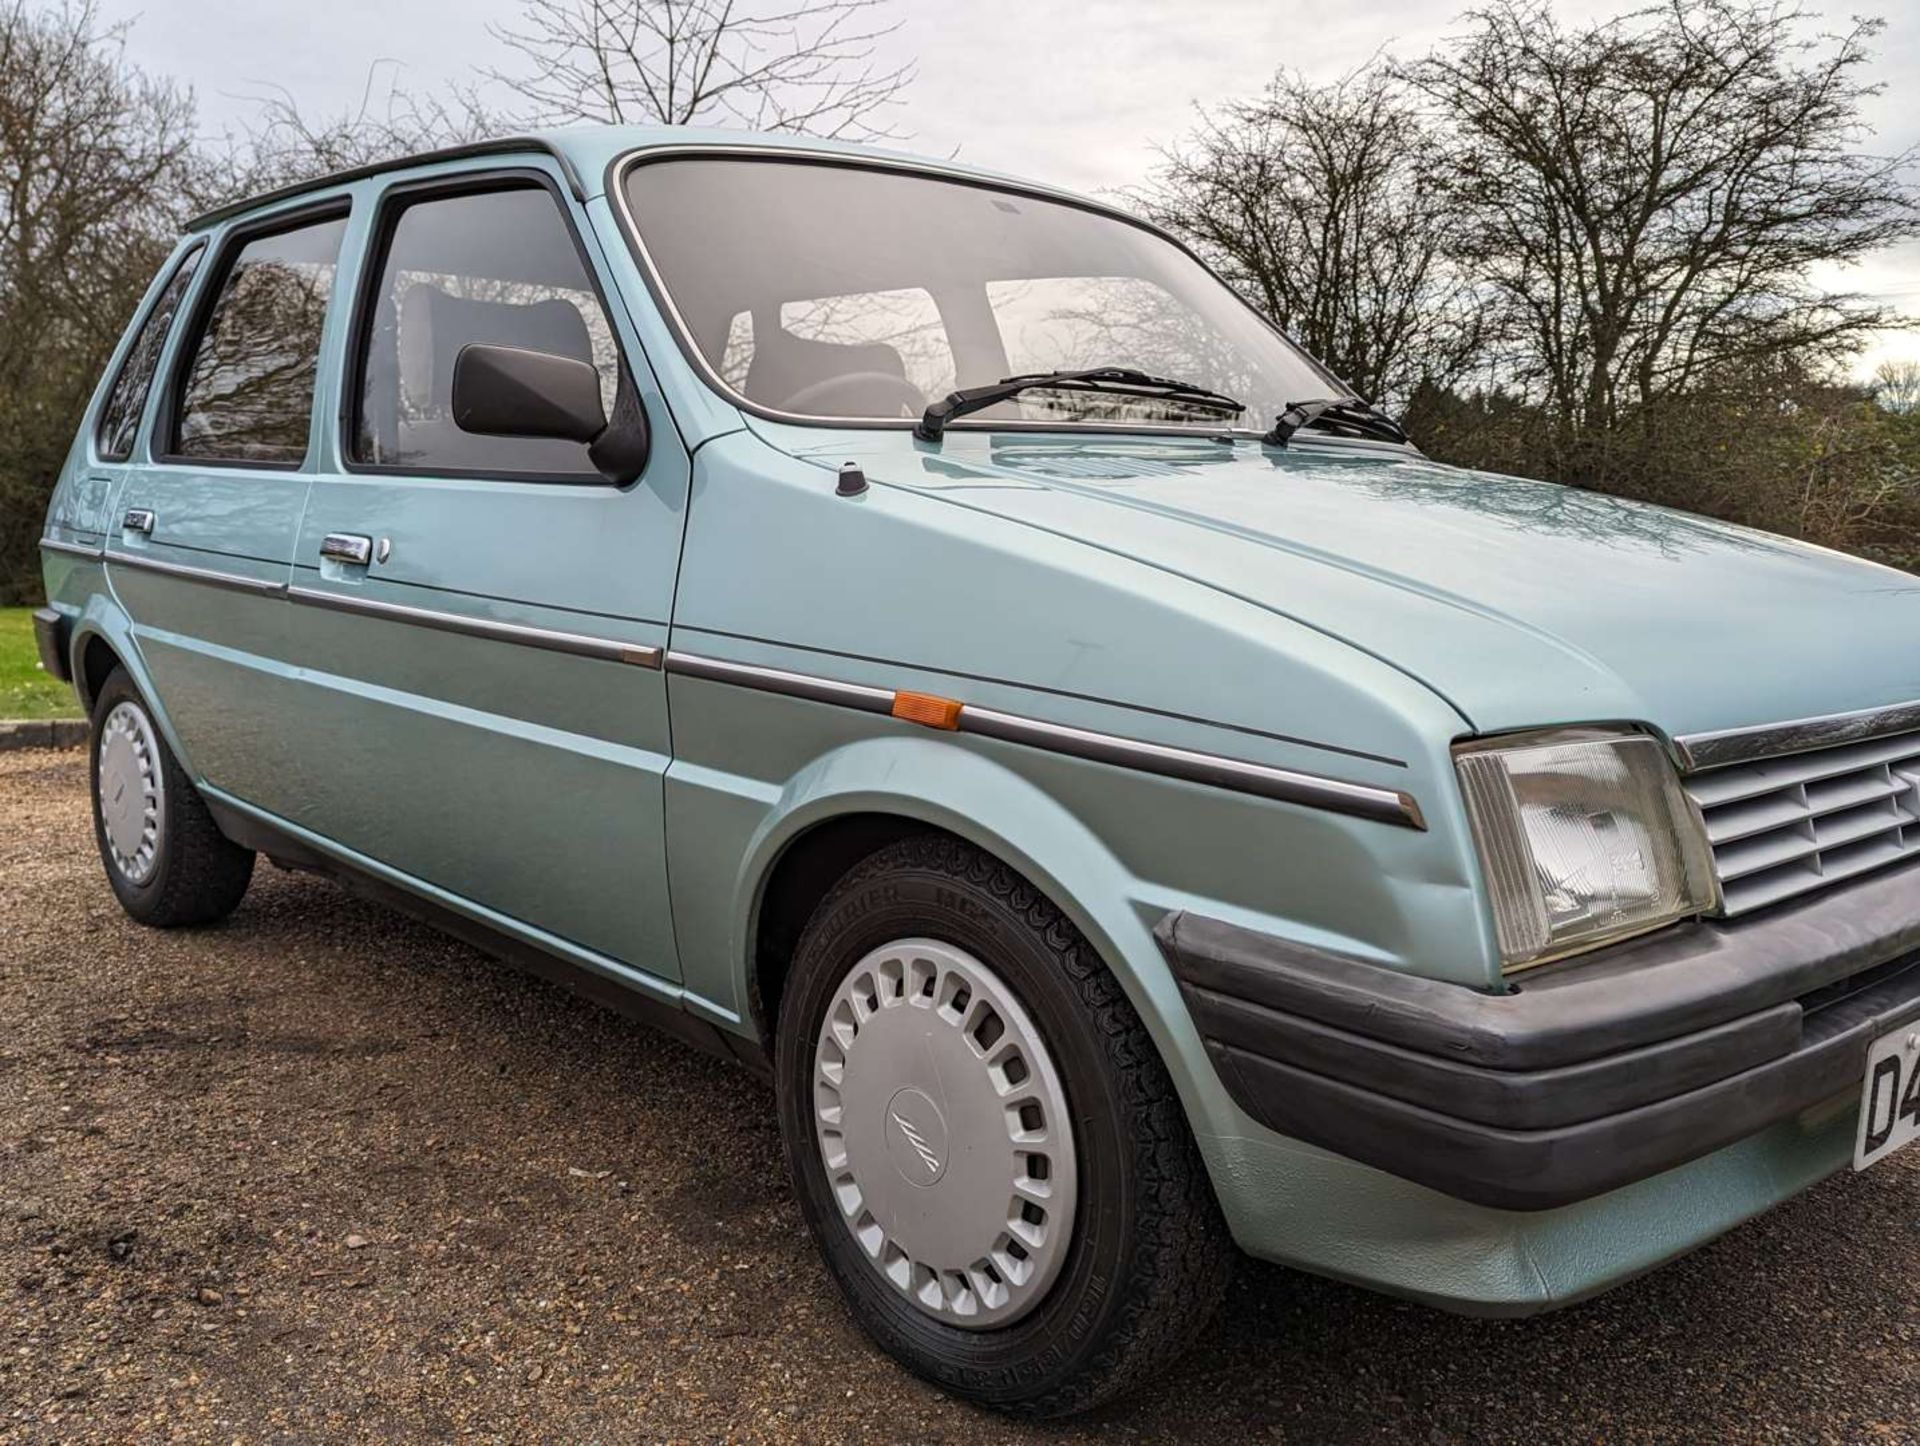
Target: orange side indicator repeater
(928, 710)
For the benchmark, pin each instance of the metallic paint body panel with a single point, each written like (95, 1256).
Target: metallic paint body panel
(525, 776)
(205, 576)
(1381, 805)
(1317, 611)
(1524, 604)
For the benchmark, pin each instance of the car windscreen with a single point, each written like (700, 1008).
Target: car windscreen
(831, 290)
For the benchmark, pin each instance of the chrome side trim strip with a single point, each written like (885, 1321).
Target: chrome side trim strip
(1773, 740)
(579, 644)
(1382, 805)
(233, 582)
(776, 680)
(71, 549)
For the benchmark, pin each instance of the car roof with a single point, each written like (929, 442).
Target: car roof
(585, 153)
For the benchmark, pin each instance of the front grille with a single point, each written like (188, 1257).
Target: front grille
(1791, 825)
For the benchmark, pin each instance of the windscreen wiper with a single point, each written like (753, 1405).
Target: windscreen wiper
(1343, 416)
(1113, 381)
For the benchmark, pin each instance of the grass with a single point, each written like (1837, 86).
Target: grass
(26, 689)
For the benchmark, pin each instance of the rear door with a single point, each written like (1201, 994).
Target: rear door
(84, 510)
(480, 619)
(201, 548)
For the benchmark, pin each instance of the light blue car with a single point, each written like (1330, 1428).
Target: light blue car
(919, 633)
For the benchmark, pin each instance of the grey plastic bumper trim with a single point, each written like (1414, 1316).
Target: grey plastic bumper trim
(1602, 1071)
(50, 633)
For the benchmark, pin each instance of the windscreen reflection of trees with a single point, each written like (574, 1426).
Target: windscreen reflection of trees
(249, 395)
(1062, 323)
(906, 320)
(1067, 323)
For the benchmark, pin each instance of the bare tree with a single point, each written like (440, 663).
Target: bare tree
(1644, 197)
(1314, 202)
(1896, 386)
(769, 65)
(93, 155)
(286, 143)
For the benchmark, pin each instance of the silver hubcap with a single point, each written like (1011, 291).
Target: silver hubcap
(132, 792)
(945, 1133)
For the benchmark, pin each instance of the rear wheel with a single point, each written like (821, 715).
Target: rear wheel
(168, 863)
(984, 1140)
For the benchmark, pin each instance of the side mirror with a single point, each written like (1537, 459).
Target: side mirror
(507, 391)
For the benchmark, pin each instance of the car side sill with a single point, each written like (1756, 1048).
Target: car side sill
(250, 830)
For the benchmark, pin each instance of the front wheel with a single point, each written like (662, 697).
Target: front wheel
(167, 861)
(985, 1143)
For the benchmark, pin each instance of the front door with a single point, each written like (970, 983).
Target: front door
(479, 619)
(202, 542)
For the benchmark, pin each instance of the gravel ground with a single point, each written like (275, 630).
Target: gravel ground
(322, 1173)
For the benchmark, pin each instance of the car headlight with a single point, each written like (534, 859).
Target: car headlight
(1585, 836)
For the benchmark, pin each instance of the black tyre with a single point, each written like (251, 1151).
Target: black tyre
(948, 1042)
(168, 863)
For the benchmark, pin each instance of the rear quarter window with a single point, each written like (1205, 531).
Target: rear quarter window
(127, 398)
(246, 394)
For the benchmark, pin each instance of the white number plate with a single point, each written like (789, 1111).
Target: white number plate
(1890, 1108)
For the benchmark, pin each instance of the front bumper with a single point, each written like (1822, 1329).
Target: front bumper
(1593, 1075)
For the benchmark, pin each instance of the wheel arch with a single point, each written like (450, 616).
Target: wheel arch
(102, 641)
(862, 797)
(94, 661)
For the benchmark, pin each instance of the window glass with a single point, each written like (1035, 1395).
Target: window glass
(248, 393)
(1058, 323)
(922, 283)
(127, 400)
(885, 333)
(497, 268)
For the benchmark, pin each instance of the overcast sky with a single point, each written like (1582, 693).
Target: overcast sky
(1074, 94)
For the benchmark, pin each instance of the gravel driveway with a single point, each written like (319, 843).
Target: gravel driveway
(319, 1172)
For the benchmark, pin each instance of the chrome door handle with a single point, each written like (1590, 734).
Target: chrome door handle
(346, 547)
(138, 519)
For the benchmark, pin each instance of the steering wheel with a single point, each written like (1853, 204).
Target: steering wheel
(912, 399)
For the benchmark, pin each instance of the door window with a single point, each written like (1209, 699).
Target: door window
(247, 395)
(496, 268)
(127, 399)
